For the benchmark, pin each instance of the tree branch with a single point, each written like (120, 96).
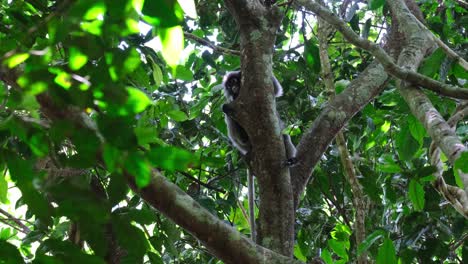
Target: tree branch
(420, 105)
(331, 120)
(207, 43)
(212, 232)
(358, 199)
(388, 63)
(17, 221)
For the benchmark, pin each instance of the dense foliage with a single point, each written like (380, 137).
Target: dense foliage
(133, 86)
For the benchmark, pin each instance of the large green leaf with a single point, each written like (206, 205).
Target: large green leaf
(386, 254)
(417, 195)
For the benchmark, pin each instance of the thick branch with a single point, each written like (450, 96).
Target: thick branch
(221, 239)
(390, 66)
(339, 111)
(420, 105)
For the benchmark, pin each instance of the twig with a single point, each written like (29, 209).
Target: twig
(187, 175)
(211, 45)
(17, 221)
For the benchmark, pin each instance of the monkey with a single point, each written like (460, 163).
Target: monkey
(239, 138)
(232, 85)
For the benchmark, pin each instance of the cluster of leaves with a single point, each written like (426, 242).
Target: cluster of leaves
(154, 110)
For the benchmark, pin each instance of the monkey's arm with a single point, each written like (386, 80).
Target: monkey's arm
(236, 133)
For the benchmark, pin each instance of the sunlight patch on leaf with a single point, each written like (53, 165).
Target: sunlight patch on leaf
(132, 26)
(64, 80)
(93, 27)
(137, 5)
(137, 101)
(77, 59)
(385, 127)
(16, 59)
(172, 40)
(95, 12)
(189, 8)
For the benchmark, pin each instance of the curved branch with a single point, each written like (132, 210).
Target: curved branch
(207, 43)
(221, 239)
(388, 63)
(438, 129)
(339, 111)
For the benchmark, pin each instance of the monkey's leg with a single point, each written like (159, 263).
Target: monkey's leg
(290, 151)
(251, 195)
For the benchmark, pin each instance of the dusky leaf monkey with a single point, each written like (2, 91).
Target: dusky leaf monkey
(239, 138)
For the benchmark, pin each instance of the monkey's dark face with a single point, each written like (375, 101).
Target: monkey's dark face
(233, 86)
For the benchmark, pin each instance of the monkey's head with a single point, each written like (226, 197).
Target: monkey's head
(232, 85)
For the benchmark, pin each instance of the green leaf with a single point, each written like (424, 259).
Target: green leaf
(137, 101)
(154, 258)
(339, 248)
(9, 254)
(111, 157)
(311, 56)
(166, 13)
(184, 73)
(16, 59)
(417, 129)
(326, 256)
(157, 74)
(406, 145)
(172, 40)
(374, 4)
(177, 115)
(98, 9)
(124, 230)
(171, 158)
(370, 240)
(341, 85)
(117, 189)
(146, 135)
(69, 252)
(386, 253)
(431, 65)
(23, 174)
(298, 253)
(416, 193)
(3, 189)
(77, 59)
(461, 164)
(137, 165)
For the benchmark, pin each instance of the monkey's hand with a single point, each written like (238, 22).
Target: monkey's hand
(291, 162)
(227, 109)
